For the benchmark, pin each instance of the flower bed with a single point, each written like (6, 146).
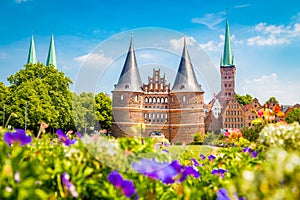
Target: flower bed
(67, 166)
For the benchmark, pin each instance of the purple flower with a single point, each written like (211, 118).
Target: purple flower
(222, 194)
(63, 138)
(219, 172)
(19, 136)
(78, 135)
(17, 177)
(202, 156)
(167, 173)
(195, 162)
(68, 184)
(189, 170)
(211, 157)
(251, 152)
(117, 180)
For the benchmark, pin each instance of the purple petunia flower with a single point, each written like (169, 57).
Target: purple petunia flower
(195, 162)
(17, 177)
(222, 194)
(219, 172)
(78, 134)
(19, 136)
(68, 184)
(117, 180)
(63, 138)
(167, 173)
(250, 152)
(189, 170)
(202, 156)
(211, 157)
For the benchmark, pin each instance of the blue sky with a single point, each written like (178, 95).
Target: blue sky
(265, 38)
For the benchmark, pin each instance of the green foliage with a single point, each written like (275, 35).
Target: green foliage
(44, 93)
(244, 100)
(210, 138)
(4, 92)
(84, 111)
(293, 116)
(252, 133)
(272, 99)
(103, 110)
(198, 137)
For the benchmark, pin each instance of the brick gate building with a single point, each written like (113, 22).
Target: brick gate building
(177, 112)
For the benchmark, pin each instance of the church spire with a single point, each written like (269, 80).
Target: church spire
(51, 60)
(227, 59)
(130, 79)
(185, 79)
(32, 53)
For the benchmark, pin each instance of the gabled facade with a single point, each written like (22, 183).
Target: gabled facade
(154, 106)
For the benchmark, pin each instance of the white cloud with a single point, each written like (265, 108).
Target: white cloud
(242, 6)
(177, 44)
(271, 85)
(146, 55)
(21, 1)
(274, 34)
(210, 19)
(218, 45)
(94, 60)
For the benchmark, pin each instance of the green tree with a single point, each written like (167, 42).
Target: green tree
(252, 133)
(84, 111)
(44, 93)
(103, 108)
(4, 92)
(244, 100)
(293, 116)
(272, 99)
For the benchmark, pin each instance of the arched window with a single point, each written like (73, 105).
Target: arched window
(136, 97)
(166, 100)
(150, 100)
(158, 100)
(154, 100)
(146, 100)
(145, 115)
(157, 116)
(121, 97)
(184, 99)
(162, 100)
(150, 115)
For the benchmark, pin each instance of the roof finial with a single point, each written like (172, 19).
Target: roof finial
(227, 13)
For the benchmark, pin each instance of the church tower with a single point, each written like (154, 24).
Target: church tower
(186, 105)
(127, 97)
(32, 53)
(227, 68)
(51, 59)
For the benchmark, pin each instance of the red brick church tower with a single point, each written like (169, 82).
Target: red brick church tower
(178, 112)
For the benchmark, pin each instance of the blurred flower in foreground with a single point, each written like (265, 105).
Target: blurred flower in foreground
(19, 136)
(202, 156)
(219, 172)
(63, 138)
(222, 194)
(250, 151)
(78, 134)
(195, 162)
(211, 157)
(117, 180)
(68, 184)
(167, 173)
(17, 177)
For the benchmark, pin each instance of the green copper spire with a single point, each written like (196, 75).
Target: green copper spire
(51, 60)
(32, 53)
(227, 55)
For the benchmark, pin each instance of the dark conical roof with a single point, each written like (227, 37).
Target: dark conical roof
(130, 79)
(185, 79)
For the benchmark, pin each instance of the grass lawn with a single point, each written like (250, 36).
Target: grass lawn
(195, 149)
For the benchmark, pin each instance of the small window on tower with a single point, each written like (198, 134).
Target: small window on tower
(121, 97)
(136, 97)
(183, 99)
(225, 85)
